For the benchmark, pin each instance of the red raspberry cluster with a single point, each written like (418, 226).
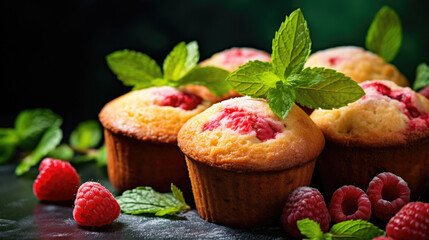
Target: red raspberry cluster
(387, 195)
(59, 181)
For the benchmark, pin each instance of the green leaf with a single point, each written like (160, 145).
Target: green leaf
(384, 36)
(281, 99)
(309, 228)
(178, 194)
(101, 156)
(355, 230)
(175, 63)
(291, 45)
(422, 77)
(158, 82)
(132, 67)
(193, 55)
(63, 152)
(254, 79)
(50, 140)
(86, 135)
(31, 124)
(146, 200)
(8, 142)
(335, 91)
(211, 77)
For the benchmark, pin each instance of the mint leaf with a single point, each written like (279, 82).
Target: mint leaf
(31, 124)
(86, 135)
(254, 79)
(8, 142)
(336, 91)
(211, 77)
(146, 200)
(356, 230)
(101, 156)
(281, 100)
(422, 77)
(50, 139)
(133, 67)
(174, 64)
(157, 82)
(291, 45)
(384, 36)
(193, 55)
(63, 152)
(309, 228)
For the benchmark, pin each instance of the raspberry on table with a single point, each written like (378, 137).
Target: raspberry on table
(349, 203)
(411, 222)
(57, 181)
(304, 202)
(95, 205)
(388, 193)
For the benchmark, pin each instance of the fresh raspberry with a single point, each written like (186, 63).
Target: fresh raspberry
(388, 193)
(245, 122)
(349, 203)
(95, 205)
(383, 238)
(381, 88)
(57, 181)
(183, 100)
(305, 202)
(411, 222)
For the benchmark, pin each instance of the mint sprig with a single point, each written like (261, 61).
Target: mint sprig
(143, 200)
(352, 229)
(384, 36)
(284, 81)
(422, 77)
(179, 68)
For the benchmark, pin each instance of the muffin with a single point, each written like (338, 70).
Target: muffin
(358, 64)
(386, 130)
(140, 130)
(243, 161)
(229, 60)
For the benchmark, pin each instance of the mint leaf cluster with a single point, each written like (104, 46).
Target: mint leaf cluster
(284, 80)
(384, 36)
(352, 229)
(37, 134)
(143, 200)
(180, 68)
(422, 77)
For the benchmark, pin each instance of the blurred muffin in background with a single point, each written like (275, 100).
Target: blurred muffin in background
(229, 60)
(387, 130)
(358, 64)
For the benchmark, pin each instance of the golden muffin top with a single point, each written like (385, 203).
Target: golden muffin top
(387, 115)
(358, 64)
(229, 60)
(154, 114)
(243, 134)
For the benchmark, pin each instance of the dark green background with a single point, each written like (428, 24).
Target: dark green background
(53, 52)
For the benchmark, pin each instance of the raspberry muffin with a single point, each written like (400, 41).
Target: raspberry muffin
(387, 130)
(140, 130)
(243, 161)
(229, 60)
(358, 64)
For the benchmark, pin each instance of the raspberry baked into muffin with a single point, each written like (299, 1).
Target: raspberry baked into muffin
(386, 130)
(243, 160)
(358, 64)
(140, 130)
(229, 60)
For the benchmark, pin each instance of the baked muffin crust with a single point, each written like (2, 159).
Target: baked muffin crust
(297, 142)
(358, 64)
(388, 115)
(139, 114)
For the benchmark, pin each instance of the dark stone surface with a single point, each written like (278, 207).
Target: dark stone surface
(23, 216)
